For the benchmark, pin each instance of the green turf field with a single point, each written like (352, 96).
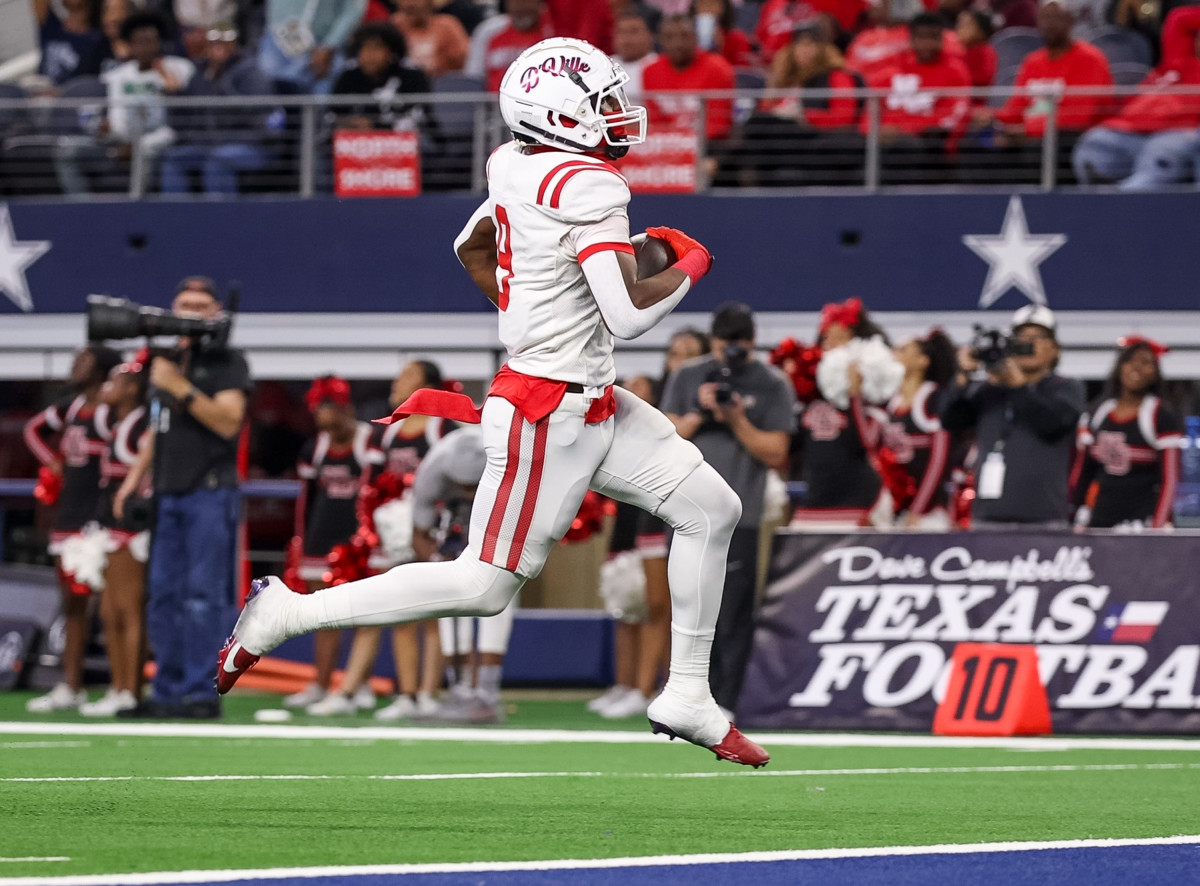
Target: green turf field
(144, 802)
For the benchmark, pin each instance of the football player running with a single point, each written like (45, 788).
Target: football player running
(550, 247)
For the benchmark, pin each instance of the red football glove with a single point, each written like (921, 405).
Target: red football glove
(692, 258)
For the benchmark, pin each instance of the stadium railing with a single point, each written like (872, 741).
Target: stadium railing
(54, 147)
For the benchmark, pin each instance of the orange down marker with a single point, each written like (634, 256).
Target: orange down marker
(994, 690)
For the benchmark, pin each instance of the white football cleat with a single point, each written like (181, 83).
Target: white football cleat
(703, 724)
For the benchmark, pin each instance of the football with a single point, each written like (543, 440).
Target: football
(653, 255)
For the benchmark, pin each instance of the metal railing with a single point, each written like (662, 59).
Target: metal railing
(188, 148)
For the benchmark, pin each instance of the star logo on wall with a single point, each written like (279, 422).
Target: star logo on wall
(1013, 257)
(15, 258)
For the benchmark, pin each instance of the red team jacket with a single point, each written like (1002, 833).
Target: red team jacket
(779, 18)
(914, 104)
(503, 48)
(1081, 65)
(707, 71)
(1151, 110)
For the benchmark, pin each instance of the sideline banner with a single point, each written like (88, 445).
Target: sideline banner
(376, 164)
(857, 630)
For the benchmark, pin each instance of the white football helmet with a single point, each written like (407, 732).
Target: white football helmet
(569, 95)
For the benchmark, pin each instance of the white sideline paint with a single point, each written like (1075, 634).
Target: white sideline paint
(39, 858)
(173, 877)
(726, 773)
(491, 735)
(28, 745)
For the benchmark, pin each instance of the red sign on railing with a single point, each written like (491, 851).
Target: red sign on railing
(376, 164)
(664, 164)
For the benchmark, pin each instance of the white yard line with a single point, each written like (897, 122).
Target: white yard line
(38, 858)
(38, 745)
(175, 877)
(571, 736)
(726, 773)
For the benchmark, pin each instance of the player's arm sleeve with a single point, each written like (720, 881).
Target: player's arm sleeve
(484, 211)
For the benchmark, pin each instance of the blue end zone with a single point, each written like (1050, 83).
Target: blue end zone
(1118, 866)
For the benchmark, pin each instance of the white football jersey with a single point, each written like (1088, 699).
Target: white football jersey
(551, 210)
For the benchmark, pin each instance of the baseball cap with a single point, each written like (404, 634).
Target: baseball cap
(1035, 315)
(197, 283)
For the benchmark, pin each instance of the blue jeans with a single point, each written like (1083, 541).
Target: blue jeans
(189, 604)
(220, 163)
(1136, 161)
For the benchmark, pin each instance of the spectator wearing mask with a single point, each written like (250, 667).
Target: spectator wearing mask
(219, 142)
(974, 30)
(1128, 465)
(740, 413)
(197, 413)
(717, 31)
(1062, 62)
(69, 438)
(128, 538)
(497, 42)
(1153, 141)
(300, 45)
(72, 46)
(918, 122)
(379, 70)
(840, 430)
(133, 110)
(803, 138)
(633, 43)
(919, 448)
(437, 42)
(333, 466)
(684, 67)
(1024, 416)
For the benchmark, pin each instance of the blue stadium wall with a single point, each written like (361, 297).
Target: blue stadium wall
(900, 252)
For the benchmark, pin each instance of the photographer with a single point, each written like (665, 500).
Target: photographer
(1024, 416)
(197, 406)
(740, 413)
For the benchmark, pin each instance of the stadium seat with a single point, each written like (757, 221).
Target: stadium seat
(1120, 46)
(1013, 44)
(28, 155)
(1004, 77)
(747, 78)
(449, 145)
(1129, 73)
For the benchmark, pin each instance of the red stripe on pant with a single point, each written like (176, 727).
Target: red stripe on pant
(540, 432)
(496, 520)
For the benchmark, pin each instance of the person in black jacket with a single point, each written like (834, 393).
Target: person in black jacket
(379, 71)
(1024, 416)
(220, 142)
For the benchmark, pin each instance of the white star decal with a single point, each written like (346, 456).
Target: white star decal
(15, 257)
(1013, 256)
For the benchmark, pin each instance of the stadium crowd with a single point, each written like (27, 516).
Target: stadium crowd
(915, 435)
(819, 50)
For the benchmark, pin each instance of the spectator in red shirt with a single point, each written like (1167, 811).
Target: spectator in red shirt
(1061, 62)
(1153, 141)
(803, 138)
(778, 18)
(498, 41)
(974, 29)
(717, 31)
(917, 122)
(683, 67)
(590, 20)
(633, 45)
(875, 50)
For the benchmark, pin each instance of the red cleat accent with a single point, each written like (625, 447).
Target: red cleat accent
(736, 748)
(232, 663)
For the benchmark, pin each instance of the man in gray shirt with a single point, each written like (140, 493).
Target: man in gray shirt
(1024, 416)
(740, 413)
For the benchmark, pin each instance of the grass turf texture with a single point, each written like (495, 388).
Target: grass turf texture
(639, 805)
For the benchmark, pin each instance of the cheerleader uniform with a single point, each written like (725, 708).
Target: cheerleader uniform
(132, 530)
(914, 434)
(837, 445)
(334, 477)
(83, 443)
(1134, 464)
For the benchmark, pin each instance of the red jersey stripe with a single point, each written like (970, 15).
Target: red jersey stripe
(532, 488)
(588, 251)
(554, 198)
(545, 186)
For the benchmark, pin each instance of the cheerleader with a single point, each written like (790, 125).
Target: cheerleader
(915, 447)
(72, 464)
(403, 445)
(125, 515)
(840, 430)
(1128, 463)
(333, 465)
